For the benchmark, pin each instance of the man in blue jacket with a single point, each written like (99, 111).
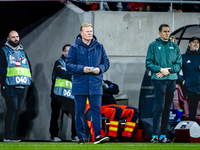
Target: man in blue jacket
(87, 60)
(15, 71)
(190, 75)
(164, 61)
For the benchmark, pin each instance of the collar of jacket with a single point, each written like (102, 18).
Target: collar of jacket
(20, 47)
(79, 41)
(164, 42)
(192, 52)
(62, 57)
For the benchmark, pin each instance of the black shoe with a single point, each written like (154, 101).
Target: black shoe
(81, 141)
(100, 139)
(154, 140)
(165, 140)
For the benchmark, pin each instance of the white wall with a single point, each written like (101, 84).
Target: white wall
(126, 37)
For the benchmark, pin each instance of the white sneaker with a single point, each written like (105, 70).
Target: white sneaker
(56, 139)
(100, 139)
(75, 139)
(12, 140)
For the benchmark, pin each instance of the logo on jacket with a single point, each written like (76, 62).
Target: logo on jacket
(171, 47)
(17, 63)
(24, 60)
(188, 61)
(12, 59)
(159, 47)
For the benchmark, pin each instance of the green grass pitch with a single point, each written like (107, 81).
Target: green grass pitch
(91, 146)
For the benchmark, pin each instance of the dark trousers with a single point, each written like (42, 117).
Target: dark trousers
(164, 94)
(119, 111)
(56, 104)
(193, 100)
(13, 97)
(95, 106)
(136, 113)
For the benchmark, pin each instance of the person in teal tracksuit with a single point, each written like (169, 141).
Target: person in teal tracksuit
(164, 61)
(15, 72)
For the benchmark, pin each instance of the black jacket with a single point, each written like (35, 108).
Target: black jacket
(191, 71)
(109, 89)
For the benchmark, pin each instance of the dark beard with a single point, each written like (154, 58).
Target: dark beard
(13, 44)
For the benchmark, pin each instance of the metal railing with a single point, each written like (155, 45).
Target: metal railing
(147, 1)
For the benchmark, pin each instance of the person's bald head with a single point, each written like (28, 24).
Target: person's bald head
(13, 38)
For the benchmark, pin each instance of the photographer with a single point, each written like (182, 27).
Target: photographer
(190, 75)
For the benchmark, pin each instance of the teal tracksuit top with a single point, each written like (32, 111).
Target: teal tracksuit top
(163, 54)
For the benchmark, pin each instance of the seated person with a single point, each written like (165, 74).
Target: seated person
(116, 112)
(177, 8)
(87, 6)
(131, 6)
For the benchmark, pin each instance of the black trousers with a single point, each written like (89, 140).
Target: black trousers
(193, 100)
(56, 104)
(164, 94)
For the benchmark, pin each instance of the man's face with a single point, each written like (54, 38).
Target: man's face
(165, 33)
(13, 38)
(194, 45)
(87, 33)
(66, 50)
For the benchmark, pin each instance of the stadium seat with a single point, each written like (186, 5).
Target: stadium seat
(180, 102)
(198, 114)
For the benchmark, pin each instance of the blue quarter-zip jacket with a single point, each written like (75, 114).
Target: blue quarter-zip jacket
(81, 55)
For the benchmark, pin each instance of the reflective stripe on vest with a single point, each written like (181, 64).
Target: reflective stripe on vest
(18, 71)
(63, 83)
(63, 88)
